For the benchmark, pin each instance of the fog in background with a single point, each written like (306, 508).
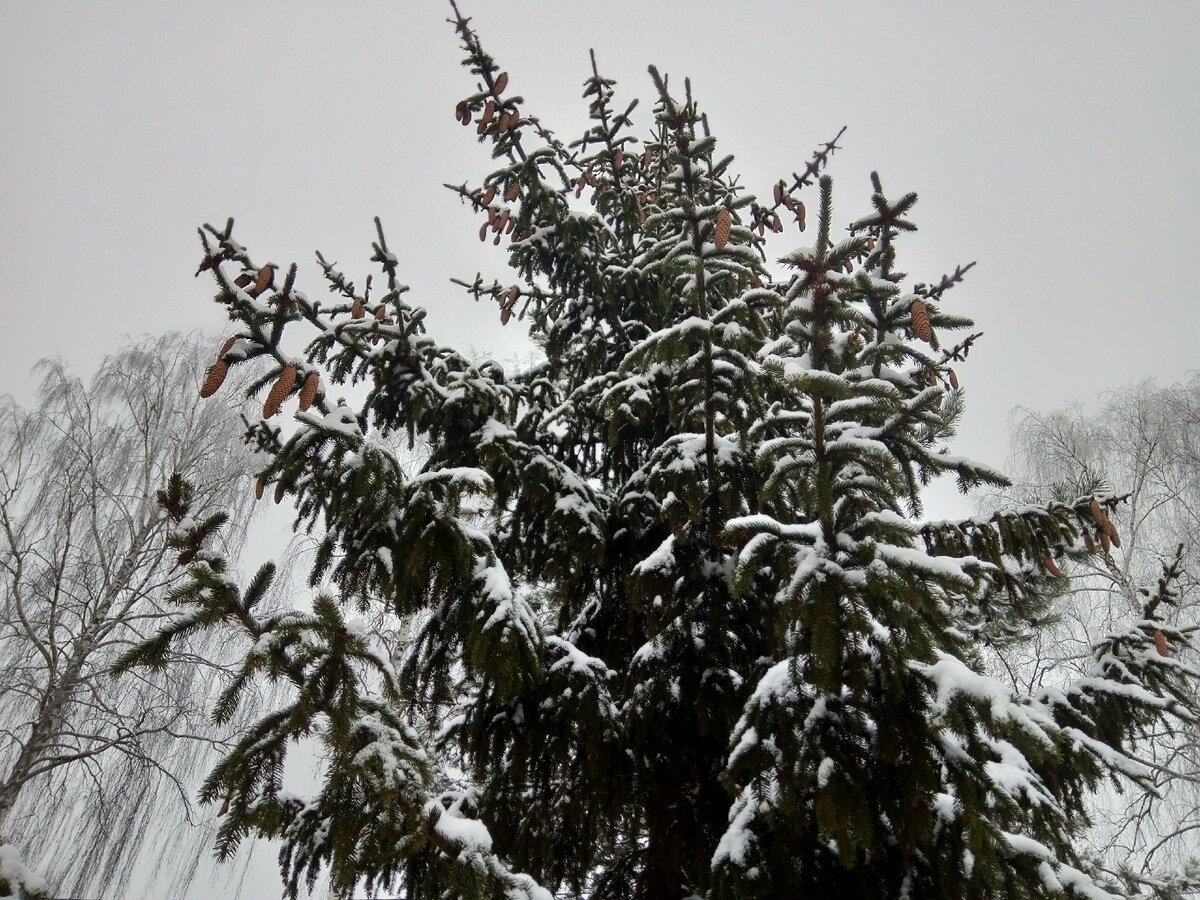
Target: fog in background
(1054, 143)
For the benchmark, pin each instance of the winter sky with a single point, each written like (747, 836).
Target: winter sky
(1056, 144)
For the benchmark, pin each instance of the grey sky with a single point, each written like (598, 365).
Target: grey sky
(1054, 143)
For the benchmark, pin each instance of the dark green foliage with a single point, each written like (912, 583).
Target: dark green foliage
(672, 609)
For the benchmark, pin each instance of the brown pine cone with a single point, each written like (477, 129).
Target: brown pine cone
(721, 231)
(227, 346)
(1160, 643)
(953, 380)
(356, 309)
(488, 196)
(513, 192)
(280, 391)
(799, 210)
(920, 321)
(501, 83)
(1049, 566)
(260, 486)
(216, 377)
(264, 279)
(308, 393)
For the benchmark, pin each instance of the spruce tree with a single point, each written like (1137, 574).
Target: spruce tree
(679, 629)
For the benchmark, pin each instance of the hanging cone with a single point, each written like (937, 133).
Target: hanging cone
(1049, 566)
(1111, 530)
(1105, 542)
(953, 380)
(380, 313)
(778, 192)
(260, 486)
(920, 321)
(356, 309)
(505, 315)
(216, 377)
(483, 230)
(227, 346)
(278, 492)
(618, 158)
(501, 83)
(721, 231)
(280, 392)
(224, 807)
(244, 279)
(1098, 513)
(308, 393)
(488, 112)
(1088, 542)
(488, 196)
(513, 192)
(798, 209)
(1160, 643)
(264, 279)
(462, 112)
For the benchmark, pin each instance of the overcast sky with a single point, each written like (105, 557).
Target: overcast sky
(1056, 144)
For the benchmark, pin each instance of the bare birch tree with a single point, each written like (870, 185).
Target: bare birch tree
(95, 771)
(1142, 441)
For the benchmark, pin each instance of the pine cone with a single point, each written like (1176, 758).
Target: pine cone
(380, 313)
(721, 231)
(1088, 542)
(1111, 531)
(264, 279)
(514, 191)
(278, 492)
(227, 346)
(244, 279)
(505, 315)
(1105, 542)
(488, 196)
(1098, 513)
(1049, 566)
(920, 321)
(799, 210)
(618, 158)
(953, 380)
(501, 83)
(309, 392)
(356, 309)
(483, 230)
(280, 392)
(1160, 643)
(216, 377)
(776, 223)
(224, 807)
(778, 192)
(488, 112)
(260, 486)
(462, 112)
